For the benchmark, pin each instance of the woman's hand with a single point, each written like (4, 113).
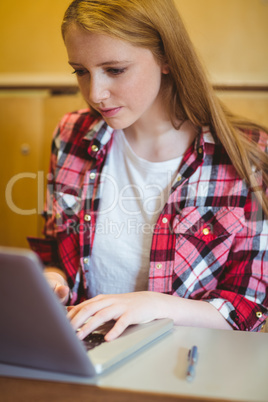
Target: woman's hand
(125, 309)
(140, 307)
(58, 284)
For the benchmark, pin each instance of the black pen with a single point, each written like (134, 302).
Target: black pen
(192, 360)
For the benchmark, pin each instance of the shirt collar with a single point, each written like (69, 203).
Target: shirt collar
(203, 141)
(206, 135)
(99, 135)
(99, 130)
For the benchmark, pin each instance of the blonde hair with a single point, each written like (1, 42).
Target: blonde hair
(157, 25)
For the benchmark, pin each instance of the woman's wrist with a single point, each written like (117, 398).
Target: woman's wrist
(197, 313)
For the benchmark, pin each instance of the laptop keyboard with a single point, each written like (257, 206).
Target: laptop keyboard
(96, 337)
(93, 340)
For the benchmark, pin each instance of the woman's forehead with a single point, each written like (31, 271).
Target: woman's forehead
(78, 40)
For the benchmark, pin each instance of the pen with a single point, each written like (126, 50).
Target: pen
(192, 361)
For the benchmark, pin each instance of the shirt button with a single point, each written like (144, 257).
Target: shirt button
(86, 260)
(179, 178)
(92, 176)
(159, 266)
(165, 220)
(200, 150)
(94, 148)
(206, 231)
(58, 216)
(87, 218)
(259, 314)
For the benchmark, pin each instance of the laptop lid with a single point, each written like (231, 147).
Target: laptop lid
(35, 332)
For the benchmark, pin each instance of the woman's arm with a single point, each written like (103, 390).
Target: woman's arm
(140, 307)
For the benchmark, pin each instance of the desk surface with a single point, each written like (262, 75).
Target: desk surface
(232, 366)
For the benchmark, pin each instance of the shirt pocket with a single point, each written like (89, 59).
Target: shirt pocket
(207, 224)
(204, 239)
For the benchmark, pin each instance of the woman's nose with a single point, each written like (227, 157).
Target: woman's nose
(98, 91)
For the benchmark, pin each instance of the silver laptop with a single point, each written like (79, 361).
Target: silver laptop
(35, 333)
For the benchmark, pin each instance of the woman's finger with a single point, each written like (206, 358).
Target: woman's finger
(81, 313)
(100, 318)
(121, 324)
(62, 293)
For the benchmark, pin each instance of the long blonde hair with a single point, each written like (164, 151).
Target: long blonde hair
(156, 25)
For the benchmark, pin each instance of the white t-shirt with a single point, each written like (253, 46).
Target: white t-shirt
(133, 194)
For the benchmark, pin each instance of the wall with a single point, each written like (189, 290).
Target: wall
(230, 35)
(31, 40)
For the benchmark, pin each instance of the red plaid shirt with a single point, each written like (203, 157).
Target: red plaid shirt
(210, 241)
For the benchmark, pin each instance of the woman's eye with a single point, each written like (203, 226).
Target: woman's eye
(80, 73)
(116, 71)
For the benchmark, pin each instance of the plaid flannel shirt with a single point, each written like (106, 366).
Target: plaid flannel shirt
(210, 241)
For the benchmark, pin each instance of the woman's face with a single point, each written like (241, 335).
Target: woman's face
(122, 82)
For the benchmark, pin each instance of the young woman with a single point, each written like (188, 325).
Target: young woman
(157, 195)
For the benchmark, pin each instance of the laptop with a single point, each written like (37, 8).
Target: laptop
(35, 332)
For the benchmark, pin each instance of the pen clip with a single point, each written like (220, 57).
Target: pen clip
(193, 355)
(192, 360)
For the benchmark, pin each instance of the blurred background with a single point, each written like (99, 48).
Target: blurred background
(37, 88)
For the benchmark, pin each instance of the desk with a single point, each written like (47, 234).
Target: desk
(232, 366)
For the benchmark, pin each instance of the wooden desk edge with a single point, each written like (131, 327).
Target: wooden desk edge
(21, 390)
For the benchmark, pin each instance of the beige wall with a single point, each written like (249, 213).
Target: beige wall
(30, 36)
(230, 35)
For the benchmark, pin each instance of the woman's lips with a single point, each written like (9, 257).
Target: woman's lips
(109, 112)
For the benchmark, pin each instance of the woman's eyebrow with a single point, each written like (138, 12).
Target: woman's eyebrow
(113, 62)
(105, 63)
(73, 64)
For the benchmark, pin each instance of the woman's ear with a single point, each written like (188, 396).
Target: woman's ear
(165, 68)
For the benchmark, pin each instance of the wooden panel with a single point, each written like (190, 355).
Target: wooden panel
(20, 390)
(250, 105)
(21, 117)
(27, 121)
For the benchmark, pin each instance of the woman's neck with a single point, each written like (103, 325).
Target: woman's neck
(161, 141)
